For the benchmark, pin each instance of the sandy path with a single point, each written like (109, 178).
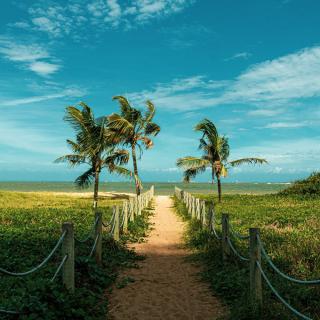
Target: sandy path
(166, 287)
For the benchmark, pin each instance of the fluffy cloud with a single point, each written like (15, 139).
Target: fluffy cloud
(32, 56)
(270, 84)
(59, 20)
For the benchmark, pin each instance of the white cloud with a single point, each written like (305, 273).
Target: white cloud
(279, 125)
(71, 18)
(44, 68)
(298, 153)
(293, 76)
(272, 84)
(265, 112)
(182, 94)
(71, 92)
(32, 56)
(240, 55)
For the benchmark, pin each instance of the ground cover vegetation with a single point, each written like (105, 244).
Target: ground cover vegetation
(290, 232)
(29, 229)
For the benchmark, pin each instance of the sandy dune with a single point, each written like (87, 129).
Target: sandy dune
(166, 287)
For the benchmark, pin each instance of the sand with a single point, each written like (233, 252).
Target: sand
(166, 285)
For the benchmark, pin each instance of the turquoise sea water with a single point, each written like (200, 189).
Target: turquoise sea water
(161, 188)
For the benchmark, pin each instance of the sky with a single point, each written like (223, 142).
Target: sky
(251, 66)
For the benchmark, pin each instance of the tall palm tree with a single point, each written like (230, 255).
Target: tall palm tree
(215, 156)
(93, 147)
(133, 128)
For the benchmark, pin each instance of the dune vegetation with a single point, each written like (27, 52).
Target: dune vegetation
(30, 226)
(290, 232)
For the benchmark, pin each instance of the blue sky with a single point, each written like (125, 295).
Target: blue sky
(253, 67)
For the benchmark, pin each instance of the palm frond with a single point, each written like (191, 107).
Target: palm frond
(192, 163)
(147, 142)
(124, 104)
(117, 157)
(151, 110)
(192, 173)
(239, 162)
(86, 179)
(124, 172)
(208, 130)
(72, 159)
(120, 125)
(152, 129)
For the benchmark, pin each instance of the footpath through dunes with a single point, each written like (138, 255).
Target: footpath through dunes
(166, 286)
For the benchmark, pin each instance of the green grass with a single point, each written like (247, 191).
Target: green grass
(30, 226)
(290, 230)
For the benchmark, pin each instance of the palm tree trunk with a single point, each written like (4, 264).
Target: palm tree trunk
(96, 189)
(135, 169)
(219, 188)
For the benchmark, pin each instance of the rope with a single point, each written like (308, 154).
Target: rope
(279, 272)
(296, 312)
(94, 245)
(21, 274)
(238, 235)
(215, 232)
(89, 235)
(112, 228)
(106, 225)
(59, 267)
(242, 258)
(9, 311)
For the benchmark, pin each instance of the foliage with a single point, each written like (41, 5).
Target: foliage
(30, 226)
(93, 147)
(215, 153)
(305, 187)
(133, 128)
(284, 222)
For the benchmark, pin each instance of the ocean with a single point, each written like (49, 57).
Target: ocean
(161, 188)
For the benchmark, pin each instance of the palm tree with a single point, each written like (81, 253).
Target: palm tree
(133, 128)
(215, 156)
(93, 147)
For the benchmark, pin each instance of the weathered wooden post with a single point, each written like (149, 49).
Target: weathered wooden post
(125, 212)
(203, 214)
(225, 236)
(193, 208)
(210, 217)
(98, 233)
(198, 208)
(116, 231)
(139, 205)
(255, 274)
(131, 209)
(182, 195)
(68, 250)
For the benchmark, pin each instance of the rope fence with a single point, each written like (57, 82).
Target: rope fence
(256, 251)
(117, 225)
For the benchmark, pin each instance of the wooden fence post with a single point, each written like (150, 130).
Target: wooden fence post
(203, 214)
(225, 236)
(255, 274)
(193, 207)
(116, 232)
(125, 212)
(198, 212)
(98, 233)
(131, 208)
(68, 250)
